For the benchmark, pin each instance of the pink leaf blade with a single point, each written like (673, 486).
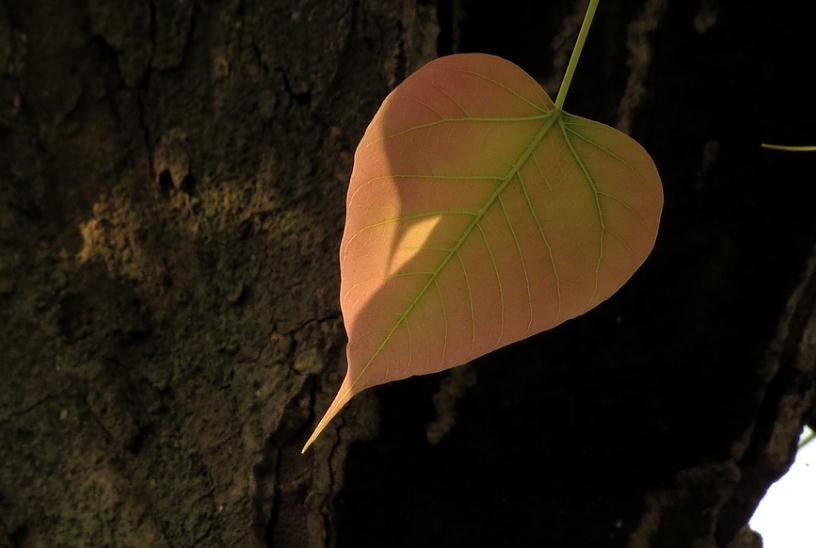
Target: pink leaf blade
(479, 215)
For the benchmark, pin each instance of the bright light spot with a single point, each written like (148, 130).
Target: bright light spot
(784, 517)
(415, 237)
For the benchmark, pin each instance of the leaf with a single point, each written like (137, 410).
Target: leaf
(479, 214)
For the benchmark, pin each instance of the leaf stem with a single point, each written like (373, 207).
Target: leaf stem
(576, 54)
(788, 148)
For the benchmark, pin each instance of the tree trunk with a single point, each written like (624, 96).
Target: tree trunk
(172, 189)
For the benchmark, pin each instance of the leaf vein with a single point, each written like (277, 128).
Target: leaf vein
(372, 180)
(382, 278)
(410, 344)
(443, 212)
(509, 90)
(541, 172)
(444, 318)
(452, 100)
(546, 243)
(498, 281)
(594, 187)
(626, 206)
(470, 300)
(523, 264)
(603, 148)
(442, 121)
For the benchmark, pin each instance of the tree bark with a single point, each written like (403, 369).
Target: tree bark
(172, 189)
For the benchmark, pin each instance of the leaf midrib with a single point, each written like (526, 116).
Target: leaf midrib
(549, 121)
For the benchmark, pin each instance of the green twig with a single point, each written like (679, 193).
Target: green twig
(576, 54)
(788, 148)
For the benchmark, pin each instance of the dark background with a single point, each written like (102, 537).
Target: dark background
(564, 433)
(172, 181)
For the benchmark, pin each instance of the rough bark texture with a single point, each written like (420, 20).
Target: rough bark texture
(172, 181)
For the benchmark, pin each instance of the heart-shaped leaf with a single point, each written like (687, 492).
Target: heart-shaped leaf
(479, 214)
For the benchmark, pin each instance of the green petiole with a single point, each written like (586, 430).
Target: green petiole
(789, 148)
(576, 54)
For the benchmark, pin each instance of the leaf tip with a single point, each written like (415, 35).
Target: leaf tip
(307, 445)
(340, 400)
(324, 422)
